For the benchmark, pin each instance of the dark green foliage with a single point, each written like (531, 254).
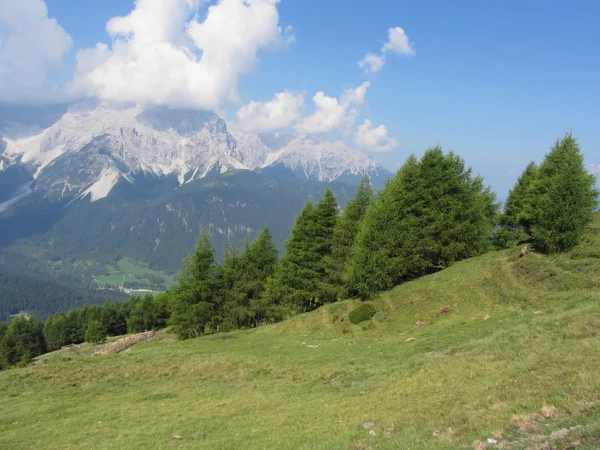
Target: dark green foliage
(302, 281)
(95, 332)
(22, 340)
(518, 206)
(361, 313)
(346, 230)
(195, 301)
(506, 237)
(244, 275)
(56, 331)
(147, 313)
(563, 198)
(88, 323)
(433, 213)
(113, 317)
(42, 297)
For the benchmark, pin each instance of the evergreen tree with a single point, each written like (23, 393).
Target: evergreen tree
(56, 331)
(75, 329)
(114, 318)
(563, 198)
(380, 253)
(146, 313)
(195, 303)
(518, 204)
(244, 276)
(302, 280)
(347, 228)
(22, 341)
(458, 211)
(431, 214)
(95, 332)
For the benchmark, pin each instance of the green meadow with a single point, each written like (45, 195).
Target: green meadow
(128, 271)
(516, 361)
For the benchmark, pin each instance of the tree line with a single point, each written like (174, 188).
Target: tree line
(432, 213)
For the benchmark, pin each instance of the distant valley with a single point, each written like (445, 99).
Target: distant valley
(105, 197)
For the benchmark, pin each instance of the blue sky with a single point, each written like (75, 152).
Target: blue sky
(497, 82)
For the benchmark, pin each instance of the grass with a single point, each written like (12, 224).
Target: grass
(129, 271)
(516, 360)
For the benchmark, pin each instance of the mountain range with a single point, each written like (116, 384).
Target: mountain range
(85, 187)
(89, 149)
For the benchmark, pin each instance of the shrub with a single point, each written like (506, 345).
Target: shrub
(362, 313)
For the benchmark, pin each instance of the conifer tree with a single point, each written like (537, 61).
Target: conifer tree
(457, 212)
(347, 228)
(244, 276)
(563, 198)
(518, 204)
(22, 341)
(431, 214)
(95, 332)
(195, 303)
(377, 259)
(301, 281)
(146, 313)
(56, 331)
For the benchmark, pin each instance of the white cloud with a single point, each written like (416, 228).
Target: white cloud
(282, 111)
(356, 96)
(31, 46)
(397, 43)
(329, 114)
(372, 62)
(159, 55)
(594, 168)
(374, 139)
(332, 113)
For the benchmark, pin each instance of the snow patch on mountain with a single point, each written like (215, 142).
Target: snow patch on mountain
(310, 155)
(19, 195)
(91, 147)
(101, 188)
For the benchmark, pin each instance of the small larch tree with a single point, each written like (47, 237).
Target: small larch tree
(195, 300)
(346, 230)
(563, 198)
(431, 214)
(244, 275)
(95, 332)
(517, 210)
(302, 281)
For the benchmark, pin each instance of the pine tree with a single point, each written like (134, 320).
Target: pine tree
(113, 318)
(518, 204)
(56, 331)
(563, 198)
(377, 259)
(22, 341)
(146, 313)
(302, 281)
(431, 214)
(346, 230)
(195, 304)
(244, 276)
(457, 212)
(95, 332)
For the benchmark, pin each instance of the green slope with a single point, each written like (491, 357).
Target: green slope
(523, 335)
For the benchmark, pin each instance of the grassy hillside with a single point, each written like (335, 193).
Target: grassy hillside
(515, 361)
